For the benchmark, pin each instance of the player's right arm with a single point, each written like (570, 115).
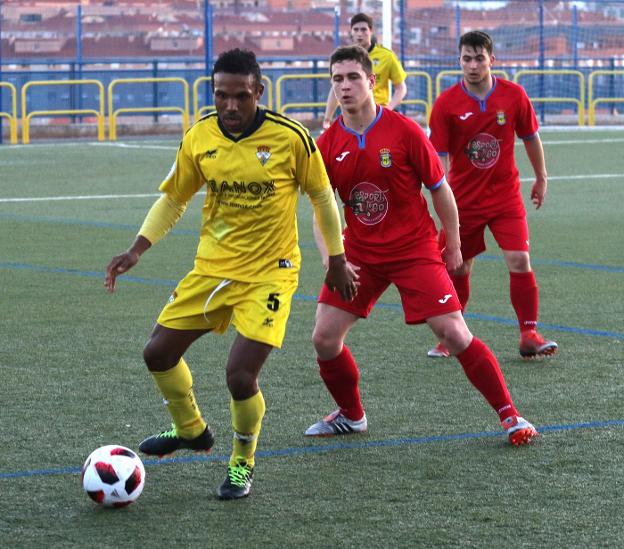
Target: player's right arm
(330, 109)
(182, 182)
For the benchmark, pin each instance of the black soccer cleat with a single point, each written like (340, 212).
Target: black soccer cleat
(237, 484)
(168, 442)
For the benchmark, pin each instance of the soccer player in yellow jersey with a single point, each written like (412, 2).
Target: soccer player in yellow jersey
(252, 164)
(386, 66)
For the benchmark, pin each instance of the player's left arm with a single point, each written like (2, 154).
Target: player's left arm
(399, 87)
(312, 178)
(535, 153)
(445, 207)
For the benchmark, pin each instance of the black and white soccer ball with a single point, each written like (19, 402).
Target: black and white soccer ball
(113, 476)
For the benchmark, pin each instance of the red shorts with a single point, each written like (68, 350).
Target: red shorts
(510, 231)
(425, 288)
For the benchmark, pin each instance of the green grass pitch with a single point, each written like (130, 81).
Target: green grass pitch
(434, 470)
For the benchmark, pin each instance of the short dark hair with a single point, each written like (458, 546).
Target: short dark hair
(237, 61)
(362, 18)
(477, 39)
(352, 53)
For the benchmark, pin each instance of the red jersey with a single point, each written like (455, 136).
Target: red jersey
(479, 135)
(379, 175)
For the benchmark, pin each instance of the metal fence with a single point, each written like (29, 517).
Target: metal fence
(102, 43)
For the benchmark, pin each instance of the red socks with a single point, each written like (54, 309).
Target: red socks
(483, 371)
(524, 298)
(462, 287)
(341, 376)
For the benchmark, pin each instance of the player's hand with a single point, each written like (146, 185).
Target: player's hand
(342, 276)
(326, 123)
(452, 257)
(538, 192)
(120, 264)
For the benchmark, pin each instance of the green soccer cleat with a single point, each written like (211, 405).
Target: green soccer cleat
(237, 484)
(168, 442)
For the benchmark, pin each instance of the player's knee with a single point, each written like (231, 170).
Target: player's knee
(518, 262)
(156, 358)
(325, 343)
(455, 336)
(241, 384)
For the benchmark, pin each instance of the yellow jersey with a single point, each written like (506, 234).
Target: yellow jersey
(252, 182)
(387, 68)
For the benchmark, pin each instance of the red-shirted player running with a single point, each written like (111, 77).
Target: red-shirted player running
(474, 124)
(378, 161)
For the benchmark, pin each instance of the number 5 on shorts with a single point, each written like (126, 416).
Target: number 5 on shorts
(273, 303)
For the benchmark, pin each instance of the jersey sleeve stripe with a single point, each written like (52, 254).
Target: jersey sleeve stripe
(296, 127)
(436, 185)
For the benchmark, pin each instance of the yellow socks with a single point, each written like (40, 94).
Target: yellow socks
(246, 420)
(176, 385)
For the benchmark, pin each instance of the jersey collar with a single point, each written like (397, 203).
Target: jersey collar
(257, 122)
(482, 102)
(361, 138)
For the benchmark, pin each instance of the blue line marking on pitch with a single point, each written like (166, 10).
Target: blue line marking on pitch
(557, 263)
(193, 232)
(170, 283)
(294, 451)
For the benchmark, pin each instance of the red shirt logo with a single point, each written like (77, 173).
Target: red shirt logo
(483, 151)
(368, 202)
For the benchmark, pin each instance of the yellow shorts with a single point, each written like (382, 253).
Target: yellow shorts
(257, 311)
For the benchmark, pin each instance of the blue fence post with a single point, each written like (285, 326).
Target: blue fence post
(612, 86)
(575, 31)
(402, 30)
(457, 23)
(542, 52)
(78, 61)
(315, 90)
(155, 89)
(208, 45)
(336, 26)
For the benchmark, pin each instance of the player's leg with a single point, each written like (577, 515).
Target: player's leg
(260, 315)
(247, 409)
(194, 308)
(472, 234)
(337, 367)
(483, 371)
(163, 355)
(339, 372)
(512, 235)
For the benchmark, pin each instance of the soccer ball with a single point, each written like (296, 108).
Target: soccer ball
(113, 476)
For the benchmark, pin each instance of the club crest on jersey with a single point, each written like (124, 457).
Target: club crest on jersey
(500, 118)
(263, 153)
(385, 158)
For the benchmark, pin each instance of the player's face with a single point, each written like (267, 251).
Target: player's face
(351, 85)
(236, 99)
(476, 64)
(362, 35)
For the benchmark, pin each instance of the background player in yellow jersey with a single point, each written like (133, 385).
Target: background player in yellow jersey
(252, 162)
(386, 66)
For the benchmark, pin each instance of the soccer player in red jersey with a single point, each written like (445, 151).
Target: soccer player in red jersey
(378, 160)
(473, 126)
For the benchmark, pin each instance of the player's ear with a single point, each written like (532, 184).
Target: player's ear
(259, 89)
(372, 77)
(492, 59)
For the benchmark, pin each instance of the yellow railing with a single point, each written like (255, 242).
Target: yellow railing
(26, 116)
(12, 114)
(592, 102)
(579, 102)
(198, 112)
(114, 113)
(426, 102)
(283, 107)
(458, 72)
